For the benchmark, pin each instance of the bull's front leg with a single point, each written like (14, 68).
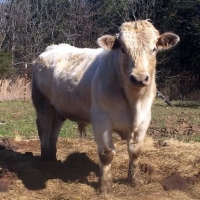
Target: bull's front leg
(103, 136)
(134, 150)
(105, 180)
(134, 145)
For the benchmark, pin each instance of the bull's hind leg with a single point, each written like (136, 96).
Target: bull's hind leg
(55, 129)
(82, 129)
(48, 124)
(44, 125)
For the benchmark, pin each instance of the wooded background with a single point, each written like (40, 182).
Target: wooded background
(27, 27)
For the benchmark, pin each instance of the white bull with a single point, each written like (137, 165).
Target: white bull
(112, 88)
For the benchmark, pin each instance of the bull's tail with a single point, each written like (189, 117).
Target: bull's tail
(40, 101)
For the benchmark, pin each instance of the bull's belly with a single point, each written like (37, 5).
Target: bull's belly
(77, 117)
(72, 111)
(71, 105)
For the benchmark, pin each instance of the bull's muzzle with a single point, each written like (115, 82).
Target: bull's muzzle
(140, 79)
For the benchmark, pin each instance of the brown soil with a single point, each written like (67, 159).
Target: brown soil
(170, 170)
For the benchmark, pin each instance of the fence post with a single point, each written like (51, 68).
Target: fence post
(25, 81)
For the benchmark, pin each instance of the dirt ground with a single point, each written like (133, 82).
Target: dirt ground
(170, 170)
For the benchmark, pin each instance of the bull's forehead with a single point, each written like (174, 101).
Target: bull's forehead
(138, 36)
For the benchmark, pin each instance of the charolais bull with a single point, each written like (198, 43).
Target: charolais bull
(111, 87)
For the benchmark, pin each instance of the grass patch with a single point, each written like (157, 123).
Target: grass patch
(186, 104)
(17, 119)
(180, 122)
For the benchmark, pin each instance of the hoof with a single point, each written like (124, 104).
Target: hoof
(135, 182)
(105, 186)
(106, 189)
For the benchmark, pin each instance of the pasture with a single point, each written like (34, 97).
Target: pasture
(169, 164)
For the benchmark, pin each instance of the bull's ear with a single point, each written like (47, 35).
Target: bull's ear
(167, 40)
(108, 42)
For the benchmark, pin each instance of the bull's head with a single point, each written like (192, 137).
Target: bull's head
(138, 43)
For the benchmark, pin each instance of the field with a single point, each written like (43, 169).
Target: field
(170, 161)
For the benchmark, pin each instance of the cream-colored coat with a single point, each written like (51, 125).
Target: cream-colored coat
(112, 87)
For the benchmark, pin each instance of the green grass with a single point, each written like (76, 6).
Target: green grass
(17, 119)
(182, 121)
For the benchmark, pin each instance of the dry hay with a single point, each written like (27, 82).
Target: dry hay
(75, 176)
(18, 89)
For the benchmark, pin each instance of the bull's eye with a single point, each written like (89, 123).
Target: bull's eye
(123, 51)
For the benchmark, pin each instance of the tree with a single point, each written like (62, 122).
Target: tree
(28, 27)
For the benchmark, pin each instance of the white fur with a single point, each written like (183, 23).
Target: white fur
(92, 86)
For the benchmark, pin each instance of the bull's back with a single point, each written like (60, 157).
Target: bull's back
(64, 75)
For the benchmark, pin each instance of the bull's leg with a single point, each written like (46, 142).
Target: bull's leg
(106, 150)
(82, 129)
(44, 125)
(49, 125)
(55, 129)
(45, 116)
(134, 149)
(106, 156)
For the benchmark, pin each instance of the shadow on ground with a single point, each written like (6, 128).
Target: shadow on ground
(34, 173)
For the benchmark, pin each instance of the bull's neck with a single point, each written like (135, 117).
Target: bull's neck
(139, 102)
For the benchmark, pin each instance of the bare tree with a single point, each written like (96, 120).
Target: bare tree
(135, 9)
(3, 24)
(27, 27)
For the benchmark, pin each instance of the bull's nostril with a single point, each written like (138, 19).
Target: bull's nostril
(132, 79)
(146, 79)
